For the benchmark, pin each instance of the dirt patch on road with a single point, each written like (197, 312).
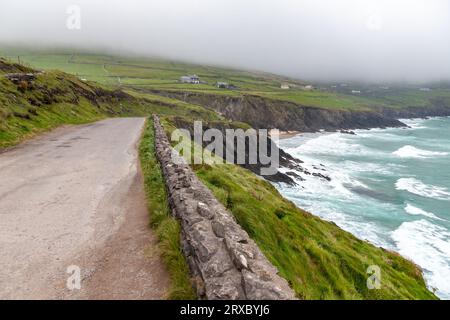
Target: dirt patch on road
(128, 266)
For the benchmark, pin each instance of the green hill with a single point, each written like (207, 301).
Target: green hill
(160, 74)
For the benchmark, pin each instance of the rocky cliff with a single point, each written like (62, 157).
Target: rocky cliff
(285, 160)
(266, 113)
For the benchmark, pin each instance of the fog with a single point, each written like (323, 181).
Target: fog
(370, 40)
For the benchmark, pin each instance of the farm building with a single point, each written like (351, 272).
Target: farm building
(225, 85)
(222, 85)
(190, 79)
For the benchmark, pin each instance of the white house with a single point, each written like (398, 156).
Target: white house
(194, 79)
(284, 86)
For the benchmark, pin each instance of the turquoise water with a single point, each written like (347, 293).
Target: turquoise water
(391, 187)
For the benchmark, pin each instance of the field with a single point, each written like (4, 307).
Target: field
(159, 74)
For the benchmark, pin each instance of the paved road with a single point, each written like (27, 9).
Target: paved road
(75, 196)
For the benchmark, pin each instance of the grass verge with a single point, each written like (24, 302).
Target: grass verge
(319, 260)
(166, 227)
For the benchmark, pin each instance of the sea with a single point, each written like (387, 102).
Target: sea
(388, 186)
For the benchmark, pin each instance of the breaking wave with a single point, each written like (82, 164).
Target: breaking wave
(413, 152)
(414, 123)
(428, 245)
(372, 192)
(334, 144)
(412, 210)
(419, 188)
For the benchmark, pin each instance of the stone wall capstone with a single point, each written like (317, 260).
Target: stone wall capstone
(224, 262)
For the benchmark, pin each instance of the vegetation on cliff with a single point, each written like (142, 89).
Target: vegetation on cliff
(320, 260)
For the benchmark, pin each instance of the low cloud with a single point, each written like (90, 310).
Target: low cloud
(370, 40)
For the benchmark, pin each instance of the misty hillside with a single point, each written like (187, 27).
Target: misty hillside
(260, 99)
(164, 75)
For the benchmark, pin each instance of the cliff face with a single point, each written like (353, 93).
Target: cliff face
(286, 161)
(437, 108)
(266, 113)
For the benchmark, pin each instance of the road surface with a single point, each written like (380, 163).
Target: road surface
(72, 200)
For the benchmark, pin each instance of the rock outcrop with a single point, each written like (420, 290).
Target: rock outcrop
(285, 159)
(225, 263)
(264, 113)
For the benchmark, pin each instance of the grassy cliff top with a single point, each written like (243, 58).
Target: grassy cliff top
(159, 74)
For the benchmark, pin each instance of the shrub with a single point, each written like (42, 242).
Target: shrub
(23, 86)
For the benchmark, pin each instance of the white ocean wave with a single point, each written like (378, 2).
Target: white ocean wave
(413, 152)
(428, 245)
(330, 211)
(410, 209)
(334, 144)
(416, 123)
(357, 167)
(356, 207)
(383, 134)
(419, 188)
(362, 229)
(341, 183)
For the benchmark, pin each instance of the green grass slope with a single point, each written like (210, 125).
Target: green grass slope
(320, 260)
(159, 74)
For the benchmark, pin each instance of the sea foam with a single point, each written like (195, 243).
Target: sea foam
(419, 188)
(412, 210)
(413, 152)
(428, 245)
(416, 123)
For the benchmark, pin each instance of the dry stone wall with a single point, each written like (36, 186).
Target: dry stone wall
(225, 263)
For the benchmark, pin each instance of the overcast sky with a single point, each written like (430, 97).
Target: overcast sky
(310, 39)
